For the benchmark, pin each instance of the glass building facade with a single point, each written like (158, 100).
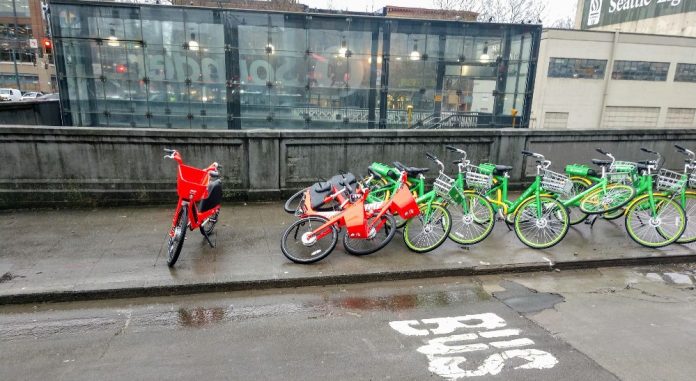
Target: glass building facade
(154, 66)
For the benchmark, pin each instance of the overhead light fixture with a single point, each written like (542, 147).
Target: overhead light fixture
(379, 59)
(193, 44)
(344, 47)
(113, 40)
(269, 46)
(485, 57)
(415, 55)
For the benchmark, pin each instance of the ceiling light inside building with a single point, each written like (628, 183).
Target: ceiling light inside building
(193, 44)
(415, 55)
(113, 40)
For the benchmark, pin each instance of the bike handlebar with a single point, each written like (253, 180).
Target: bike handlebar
(603, 152)
(170, 151)
(648, 151)
(431, 156)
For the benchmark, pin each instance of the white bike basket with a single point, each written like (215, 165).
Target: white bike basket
(670, 181)
(478, 180)
(620, 172)
(443, 185)
(692, 180)
(556, 182)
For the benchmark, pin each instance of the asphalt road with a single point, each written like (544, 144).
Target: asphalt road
(592, 327)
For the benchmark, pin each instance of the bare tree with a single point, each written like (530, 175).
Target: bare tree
(460, 5)
(567, 22)
(506, 11)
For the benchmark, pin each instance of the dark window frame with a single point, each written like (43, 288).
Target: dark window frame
(685, 72)
(576, 68)
(640, 70)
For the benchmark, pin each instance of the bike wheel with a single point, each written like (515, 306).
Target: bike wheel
(689, 207)
(472, 219)
(378, 239)
(209, 224)
(574, 213)
(177, 236)
(293, 202)
(299, 246)
(545, 230)
(424, 233)
(603, 201)
(656, 227)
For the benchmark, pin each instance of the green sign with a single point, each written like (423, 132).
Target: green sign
(607, 12)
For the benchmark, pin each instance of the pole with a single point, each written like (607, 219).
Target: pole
(14, 45)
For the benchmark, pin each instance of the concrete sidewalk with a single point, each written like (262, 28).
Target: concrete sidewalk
(103, 253)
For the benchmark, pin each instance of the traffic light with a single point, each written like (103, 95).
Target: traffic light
(48, 46)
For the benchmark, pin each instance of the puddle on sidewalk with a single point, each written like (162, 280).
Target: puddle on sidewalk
(526, 300)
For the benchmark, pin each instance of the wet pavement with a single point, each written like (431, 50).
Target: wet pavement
(598, 324)
(74, 251)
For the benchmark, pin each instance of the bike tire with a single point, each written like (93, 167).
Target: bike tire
(177, 242)
(473, 219)
(291, 250)
(639, 221)
(358, 246)
(526, 222)
(689, 207)
(574, 213)
(417, 225)
(593, 202)
(290, 206)
(208, 226)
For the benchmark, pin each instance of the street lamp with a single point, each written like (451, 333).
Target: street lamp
(269, 46)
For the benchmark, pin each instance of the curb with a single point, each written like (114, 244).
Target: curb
(330, 280)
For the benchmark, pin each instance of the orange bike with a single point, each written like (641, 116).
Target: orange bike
(369, 227)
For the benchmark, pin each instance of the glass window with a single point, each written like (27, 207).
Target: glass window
(640, 70)
(21, 7)
(685, 73)
(175, 67)
(577, 68)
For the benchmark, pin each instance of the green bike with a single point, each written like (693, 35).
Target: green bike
(655, 219)
(540, 216)
(687, 198)
(430, 229)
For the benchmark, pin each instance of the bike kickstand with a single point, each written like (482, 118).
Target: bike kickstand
(593, 219)
(207, 238)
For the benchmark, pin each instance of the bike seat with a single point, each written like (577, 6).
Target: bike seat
(321, 187)
(601, 162)
(642, 166)
(411, 171)
(214, 196)
(501, 169)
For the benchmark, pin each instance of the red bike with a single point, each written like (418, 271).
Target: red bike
(200, 194)
(369, 227)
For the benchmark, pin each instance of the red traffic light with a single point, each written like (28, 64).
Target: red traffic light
(47, 44)
(121, 68)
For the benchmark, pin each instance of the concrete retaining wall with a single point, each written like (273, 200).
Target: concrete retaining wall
(31, 112)
(62, 166)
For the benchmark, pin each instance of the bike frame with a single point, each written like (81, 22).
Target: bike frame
(195, 218)
(357, 228)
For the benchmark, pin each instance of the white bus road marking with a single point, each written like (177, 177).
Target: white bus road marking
(443, 352)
